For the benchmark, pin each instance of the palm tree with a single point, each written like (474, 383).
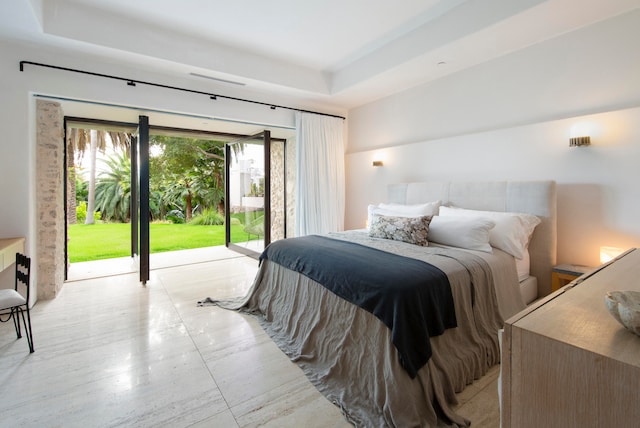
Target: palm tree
(76, 143)
(93, 151)
(178, 191)
(113, 189)
(79, 139)
(190, 171)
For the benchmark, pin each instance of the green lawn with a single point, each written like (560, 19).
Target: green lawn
(109, 240)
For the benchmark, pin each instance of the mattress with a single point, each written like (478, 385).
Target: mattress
(529, 289)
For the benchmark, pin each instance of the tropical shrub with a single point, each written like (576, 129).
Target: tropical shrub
(81, 213)
(208, 217)
(175, 216)
(82, 188)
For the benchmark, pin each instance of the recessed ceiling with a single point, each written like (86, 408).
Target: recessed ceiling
(320, 35)
(340, 53)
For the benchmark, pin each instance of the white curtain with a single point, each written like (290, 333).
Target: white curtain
(320, 190)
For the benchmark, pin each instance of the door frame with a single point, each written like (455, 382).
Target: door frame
(142, 203)
(69, 120)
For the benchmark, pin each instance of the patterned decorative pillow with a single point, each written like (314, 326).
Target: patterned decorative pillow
(413, 230)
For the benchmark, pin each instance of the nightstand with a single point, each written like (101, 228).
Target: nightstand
(561, 275)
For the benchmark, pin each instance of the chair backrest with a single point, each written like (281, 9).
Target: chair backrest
(23, 272)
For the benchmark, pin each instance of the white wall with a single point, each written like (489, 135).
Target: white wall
(17, 145)
(594, 69)
(511, 118)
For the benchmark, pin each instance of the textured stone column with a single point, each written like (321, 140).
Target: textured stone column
(291, 180)
(50, 198)
(277, 190)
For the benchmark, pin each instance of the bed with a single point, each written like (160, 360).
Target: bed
(533, 197)
(369, 368)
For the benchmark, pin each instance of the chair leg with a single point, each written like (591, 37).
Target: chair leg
(15, 313)
(27, 327)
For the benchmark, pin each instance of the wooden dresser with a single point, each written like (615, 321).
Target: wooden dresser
(566, 362)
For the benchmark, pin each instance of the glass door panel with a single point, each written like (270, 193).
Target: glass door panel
(247, 194)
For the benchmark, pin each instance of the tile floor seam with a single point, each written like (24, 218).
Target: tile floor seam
(188, 330)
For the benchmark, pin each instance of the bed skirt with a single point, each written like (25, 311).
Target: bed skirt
(346, 352)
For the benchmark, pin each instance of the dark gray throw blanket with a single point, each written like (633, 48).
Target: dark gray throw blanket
(411, 297)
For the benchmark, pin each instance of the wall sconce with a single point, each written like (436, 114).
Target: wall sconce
(609, 253)
(579, 141)
(377, 163)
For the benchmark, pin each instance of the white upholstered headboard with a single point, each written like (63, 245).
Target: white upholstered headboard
(533, 197)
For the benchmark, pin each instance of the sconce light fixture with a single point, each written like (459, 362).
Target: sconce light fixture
(579, 141)
(377, 163)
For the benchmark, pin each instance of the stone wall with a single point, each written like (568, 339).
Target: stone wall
(50, 198)
(283, 179)
(277, 150)
(290, 173)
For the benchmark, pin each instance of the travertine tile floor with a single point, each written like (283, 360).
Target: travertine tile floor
(110, 352)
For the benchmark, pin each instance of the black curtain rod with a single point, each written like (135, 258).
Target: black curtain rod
(133, 82)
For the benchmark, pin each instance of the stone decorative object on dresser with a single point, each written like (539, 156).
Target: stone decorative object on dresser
(625, 307)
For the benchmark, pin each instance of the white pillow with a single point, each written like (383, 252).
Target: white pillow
(399, 210)
(429, 208)
(470, 233)
(511, 233)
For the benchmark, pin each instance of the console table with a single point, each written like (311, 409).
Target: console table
(566, 362)
(8, 249)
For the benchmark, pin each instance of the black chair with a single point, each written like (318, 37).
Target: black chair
(13, 304)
